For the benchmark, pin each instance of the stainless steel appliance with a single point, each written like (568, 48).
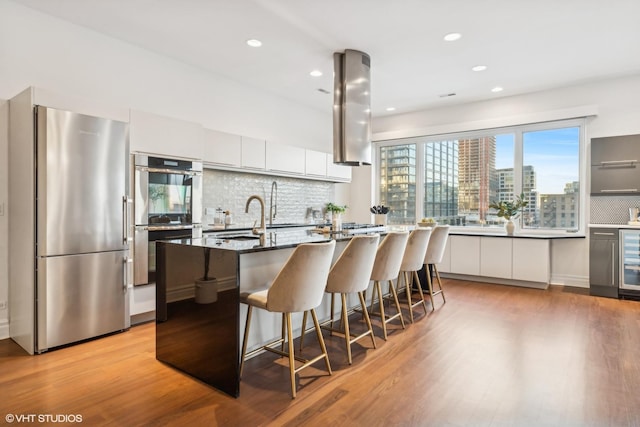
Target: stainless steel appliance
(603, 262)
(352, 108)
(80, 223)
(168, 205)
(629, 285)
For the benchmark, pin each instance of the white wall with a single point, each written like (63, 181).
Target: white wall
(618, 113)
(48, 53)
(4, 226)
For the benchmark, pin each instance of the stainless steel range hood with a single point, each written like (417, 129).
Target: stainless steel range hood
(352, 108)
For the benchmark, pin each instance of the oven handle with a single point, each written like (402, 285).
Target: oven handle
(169, 227)
(172, 171)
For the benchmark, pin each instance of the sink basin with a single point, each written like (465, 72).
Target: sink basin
(237, 236)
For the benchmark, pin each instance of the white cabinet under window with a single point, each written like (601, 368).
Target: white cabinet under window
(285, 158)
(531, 260)
(253, 153)
(495, 257)
(507, 260)
(221, 148)
(465, 255)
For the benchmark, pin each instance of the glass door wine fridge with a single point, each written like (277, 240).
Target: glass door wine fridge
(629, 263)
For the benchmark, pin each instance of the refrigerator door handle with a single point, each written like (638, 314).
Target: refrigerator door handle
(128, 263)
(126, 212)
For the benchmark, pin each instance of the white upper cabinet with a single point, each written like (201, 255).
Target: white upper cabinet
(315, 163)
(339, 172)
(285, 158)
(253, 153)
(224, 149)
(165, 136)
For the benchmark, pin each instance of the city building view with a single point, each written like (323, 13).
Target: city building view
(461, 180)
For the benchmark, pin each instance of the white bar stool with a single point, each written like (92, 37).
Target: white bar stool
(412, 261)
(435, 252)
(298, 287)
(350, 274)
(386, 267)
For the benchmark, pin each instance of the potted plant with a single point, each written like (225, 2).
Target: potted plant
(336, 212)
(510, 210)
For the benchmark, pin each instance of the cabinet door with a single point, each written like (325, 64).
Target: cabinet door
(615, 165)
(338, 172)
(495, 257)
(222, 148)
(285, 158)
(315, 163)
(445, 265)
(253, 153)
(531, 260)
(166, 136)
(465, 255)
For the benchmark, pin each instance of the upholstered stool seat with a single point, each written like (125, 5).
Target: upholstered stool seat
(298, 287)
(386, 267)
(350, 274)
(412, 261)
(435, 252)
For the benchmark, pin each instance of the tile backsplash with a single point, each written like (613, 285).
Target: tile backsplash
(612, 209)
(295, 202)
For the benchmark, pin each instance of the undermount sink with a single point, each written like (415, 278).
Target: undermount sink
(238, 236)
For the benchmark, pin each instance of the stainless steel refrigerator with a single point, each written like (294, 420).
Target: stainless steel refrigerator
(81, 219)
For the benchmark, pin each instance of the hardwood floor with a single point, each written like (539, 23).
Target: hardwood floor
(491, 356)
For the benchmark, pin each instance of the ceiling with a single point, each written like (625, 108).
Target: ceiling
(527, 45)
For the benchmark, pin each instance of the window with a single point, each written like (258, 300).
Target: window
(460, 175)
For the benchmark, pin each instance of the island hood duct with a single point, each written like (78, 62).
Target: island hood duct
(352, 108)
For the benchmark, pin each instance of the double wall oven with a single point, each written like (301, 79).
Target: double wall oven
(168, 205)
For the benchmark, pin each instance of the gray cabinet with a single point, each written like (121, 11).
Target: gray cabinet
(615, 167)
(603, 262)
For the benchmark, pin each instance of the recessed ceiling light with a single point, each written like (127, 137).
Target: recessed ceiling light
(391, 108)
(479, 68)
(254, 43)
(452, 37)
(315, 73)
(497, 89)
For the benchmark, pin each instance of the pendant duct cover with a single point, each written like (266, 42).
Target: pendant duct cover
(352, 108)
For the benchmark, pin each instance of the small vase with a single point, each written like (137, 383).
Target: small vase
(336, 221)
(510, 226)
(380, 219)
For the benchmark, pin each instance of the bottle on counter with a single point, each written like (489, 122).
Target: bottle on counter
(227, 218)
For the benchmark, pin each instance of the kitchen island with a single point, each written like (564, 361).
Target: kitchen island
(198, 322)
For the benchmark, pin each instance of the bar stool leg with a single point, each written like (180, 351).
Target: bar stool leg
(321, 340)
(246, 336)
(367, 318)
(395, 298)
(292, 360)
(439, 283)
(417, 280)
(347, 334)
(433, 305)
(407, 285)
(304, 326)
(378, 289)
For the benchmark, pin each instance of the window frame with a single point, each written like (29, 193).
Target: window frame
(518, 131)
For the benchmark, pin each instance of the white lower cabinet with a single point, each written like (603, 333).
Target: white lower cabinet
(511, 259)
(531, 260)
(496, 257)
(465, 255)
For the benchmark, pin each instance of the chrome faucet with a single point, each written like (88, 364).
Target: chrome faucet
(273, 209)
(262, 229)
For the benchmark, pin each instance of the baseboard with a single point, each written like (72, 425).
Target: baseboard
(570, 280)
(4, 329)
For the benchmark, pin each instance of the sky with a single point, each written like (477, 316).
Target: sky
(552, 153)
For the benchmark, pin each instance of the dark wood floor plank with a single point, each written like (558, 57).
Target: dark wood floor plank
(491, 356)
